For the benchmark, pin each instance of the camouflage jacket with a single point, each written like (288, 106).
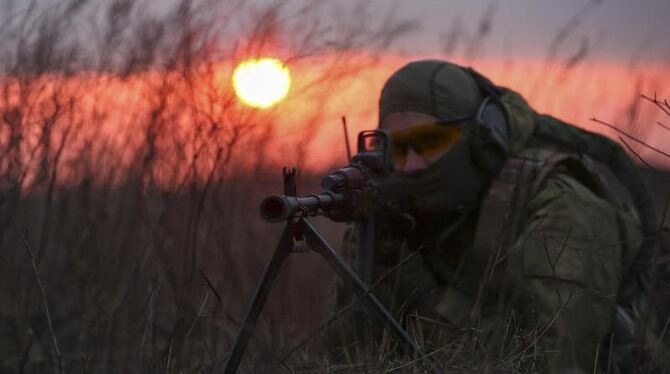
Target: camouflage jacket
(553, 266)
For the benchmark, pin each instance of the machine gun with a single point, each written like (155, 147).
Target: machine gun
(350, 194)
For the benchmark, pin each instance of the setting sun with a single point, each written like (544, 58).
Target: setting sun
(261, 83)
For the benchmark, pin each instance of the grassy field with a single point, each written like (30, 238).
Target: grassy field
(130, 179)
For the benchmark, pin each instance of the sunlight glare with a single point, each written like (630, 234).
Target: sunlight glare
(261, 83)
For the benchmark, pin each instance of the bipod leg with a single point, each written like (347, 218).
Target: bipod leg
(282, 251)
(366, 241)
(321, 246)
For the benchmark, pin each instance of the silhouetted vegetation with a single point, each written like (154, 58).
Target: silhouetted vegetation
(130, 179)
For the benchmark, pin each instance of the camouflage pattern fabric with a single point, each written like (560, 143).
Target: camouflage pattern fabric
(552, 297)
(558, 285)
(560, 281)
(564, 272)
(438, 88)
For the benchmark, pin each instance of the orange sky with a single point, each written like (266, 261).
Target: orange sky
(602, 90)
(112, 115)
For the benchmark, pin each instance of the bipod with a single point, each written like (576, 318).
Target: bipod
(295, 232)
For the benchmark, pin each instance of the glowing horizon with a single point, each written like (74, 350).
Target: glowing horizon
(115, 115)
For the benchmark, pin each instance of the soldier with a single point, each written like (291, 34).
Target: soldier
(517, 232)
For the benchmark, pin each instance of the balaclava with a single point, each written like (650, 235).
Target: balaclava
(445, 91)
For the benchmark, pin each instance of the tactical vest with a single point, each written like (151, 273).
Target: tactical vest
(541, 145)
(501, 220)
(502, 212)
(504, 208)
(612, 176)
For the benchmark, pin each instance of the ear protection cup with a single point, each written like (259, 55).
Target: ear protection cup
(489, 145)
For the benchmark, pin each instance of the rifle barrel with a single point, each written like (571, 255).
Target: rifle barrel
(277, 208)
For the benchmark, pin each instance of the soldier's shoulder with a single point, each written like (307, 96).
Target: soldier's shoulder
(521, 118)
(566, 187)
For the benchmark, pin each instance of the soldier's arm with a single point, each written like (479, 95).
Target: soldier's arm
(569, 263)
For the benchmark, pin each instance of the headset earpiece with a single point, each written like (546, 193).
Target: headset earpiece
(489, 145)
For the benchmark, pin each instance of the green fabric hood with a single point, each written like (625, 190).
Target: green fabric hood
(438, 88)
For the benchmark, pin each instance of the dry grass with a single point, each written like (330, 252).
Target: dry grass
(129, 229)
(130, 179)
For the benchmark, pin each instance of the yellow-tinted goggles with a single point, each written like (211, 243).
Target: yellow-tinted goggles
(427, 140)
